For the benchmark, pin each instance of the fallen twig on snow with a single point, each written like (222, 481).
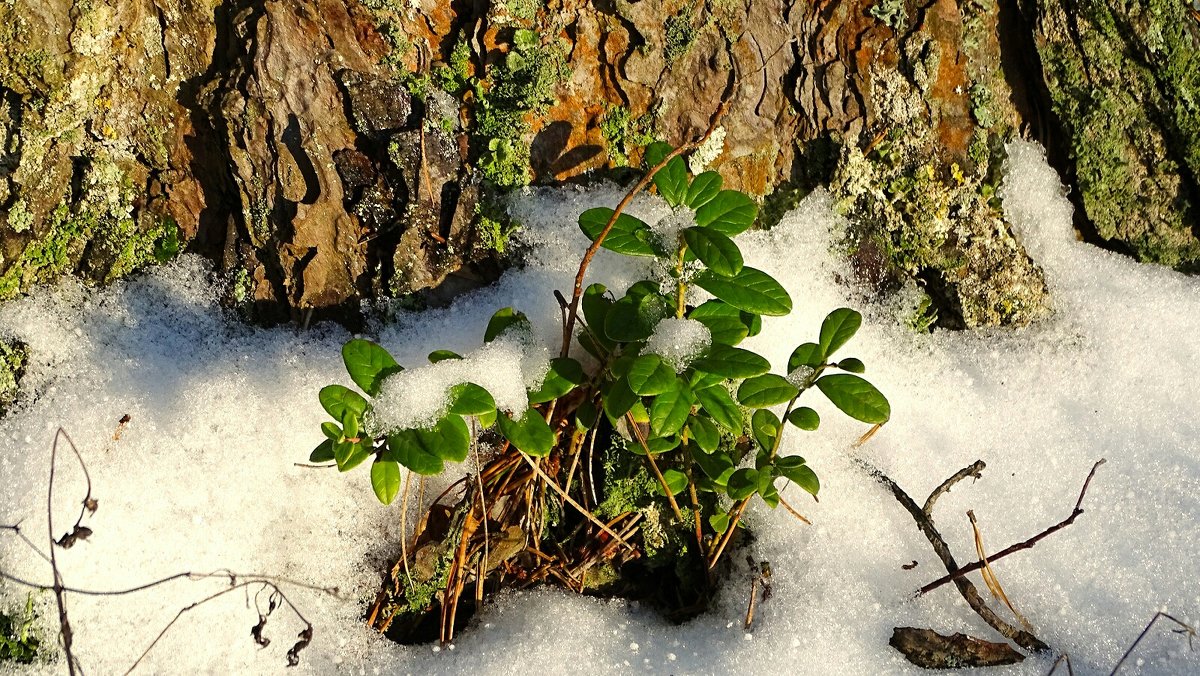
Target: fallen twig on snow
(1187, 629)
(955, 574)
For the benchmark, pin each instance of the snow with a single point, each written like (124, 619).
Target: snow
(204, 475)
(505, 367)
(679, 341)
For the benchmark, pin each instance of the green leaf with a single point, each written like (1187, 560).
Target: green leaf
(349, 454)
(743, 483)
(470, 399)
(716, 466)
(751, 290)
(764, 425)
(657, 445)
(368, 364)
(385, 480)
(630, 236)
(704, 432)
(648, 375)
(595, 305)
(753, 322)
(562, 377)
(676, 481)
(633, 318)
(731, 362)
(337, 400)
(855, 397)
(425, 450)
(703, 189)
(852, 365)
(332, 431)
(807, 354)
(672, 181)
(702, 379)
(323, 452)
(409, 449)
(719, 522)
(442, 355)
(501, 321)
(729, 212)
(805, 418)
(586, 415)
(670, 410)
(530, 434)
(798, 473)
(766, 390)
(838, 328)
(715, 250)
(723, 320)
(767, 490)
(721, 407)
(350, 425)
(619, 399)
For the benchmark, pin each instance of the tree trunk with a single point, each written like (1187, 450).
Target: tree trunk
(324, 151)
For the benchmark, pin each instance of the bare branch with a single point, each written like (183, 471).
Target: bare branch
(965, 587)
(956, 574)
(974, 470)
(1187, 629)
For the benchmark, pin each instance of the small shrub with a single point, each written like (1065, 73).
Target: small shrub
(670, 392)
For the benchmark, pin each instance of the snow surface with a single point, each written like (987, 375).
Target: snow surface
(679, 341)
(505, 367)
(204, 475)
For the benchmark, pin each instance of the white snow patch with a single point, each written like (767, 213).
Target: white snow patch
(505, 367)
(679, 341)
(204, 475)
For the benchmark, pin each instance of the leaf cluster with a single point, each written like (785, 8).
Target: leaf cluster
(716, 426)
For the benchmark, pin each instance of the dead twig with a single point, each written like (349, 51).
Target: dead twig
(956, 574)
(974, 470)
(965, 587)
(1186, 628)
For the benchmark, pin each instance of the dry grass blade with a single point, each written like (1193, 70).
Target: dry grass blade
(571, 501)
(989, 575)
(1186, 628)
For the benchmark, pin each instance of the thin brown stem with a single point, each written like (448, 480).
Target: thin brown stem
(1012, 549)
(577, 291)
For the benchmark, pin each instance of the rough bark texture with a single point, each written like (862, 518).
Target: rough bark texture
(327, 151)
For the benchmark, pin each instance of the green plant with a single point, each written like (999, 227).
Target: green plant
(18, 641)
(698, 411)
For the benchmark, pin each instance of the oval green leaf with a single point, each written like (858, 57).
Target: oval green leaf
(766, 390)
(443, 355)
(704, 432)
(805, 418)
(530, 434)
(563, 376)
(470, 399)
(720, 407)
(731, 362)
(368, 364)
(629, 235)
(337, 400)
(649, 375)
(715, 250)
(751, 290)
(670, 410)
(838, 328)
(764, 425)
(852, 365)
(730, 212)
(501, 321)
(723, 320)
(323, 452)
(703, 189)
(385, 480)
(743, 483)
(806, 354)
(856, 397)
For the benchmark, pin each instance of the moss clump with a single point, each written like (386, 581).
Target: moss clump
(623, 134)
(523, 83)
(679, 34)
(1124, 79)
(13, 357)
(19, 643)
